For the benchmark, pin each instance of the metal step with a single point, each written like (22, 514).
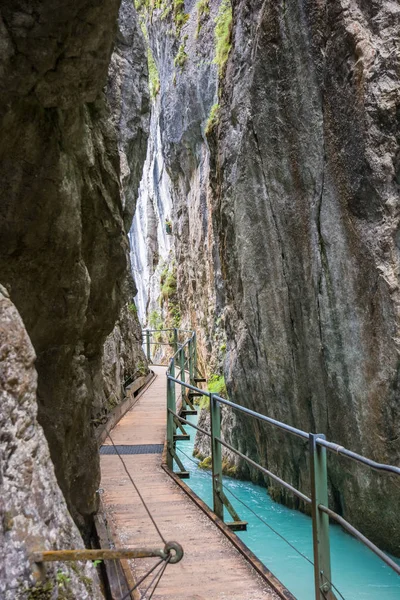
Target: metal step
(195, 395)
(185, 413)
(200, 380)
(183, 474)
(181, 437)
(237, 525)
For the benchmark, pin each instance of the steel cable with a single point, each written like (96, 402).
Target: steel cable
(264, 522)
(159, 578)
(137, 490)
(128, 594)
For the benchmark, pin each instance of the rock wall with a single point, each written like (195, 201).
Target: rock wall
(34, 515)
(308, 209)
(285, 218)
(63, 242)
(128, 99)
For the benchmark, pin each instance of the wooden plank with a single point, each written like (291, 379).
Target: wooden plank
(212, 568)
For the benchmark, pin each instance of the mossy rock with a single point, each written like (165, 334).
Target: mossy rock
(206, 463)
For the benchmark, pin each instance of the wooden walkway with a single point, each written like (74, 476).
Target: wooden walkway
(211, 569)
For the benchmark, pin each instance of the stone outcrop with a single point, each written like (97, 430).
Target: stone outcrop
(286, 227)
(34, 515)
(63, 242)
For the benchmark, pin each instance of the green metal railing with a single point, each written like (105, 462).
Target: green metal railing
(184, 361)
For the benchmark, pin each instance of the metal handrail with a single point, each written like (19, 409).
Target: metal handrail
(318, 447)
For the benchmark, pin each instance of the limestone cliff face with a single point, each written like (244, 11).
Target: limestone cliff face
(63, 248)
(176, 182)
(308, 213)
(286, 225)
(34, 515)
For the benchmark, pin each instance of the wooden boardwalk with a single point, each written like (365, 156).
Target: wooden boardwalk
(211, 569)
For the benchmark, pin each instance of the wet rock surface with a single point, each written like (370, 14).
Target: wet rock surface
(34, 515)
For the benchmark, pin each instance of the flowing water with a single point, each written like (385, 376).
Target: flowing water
(356, 572)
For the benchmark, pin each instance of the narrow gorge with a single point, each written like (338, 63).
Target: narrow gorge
(225, 166)
(276, 141)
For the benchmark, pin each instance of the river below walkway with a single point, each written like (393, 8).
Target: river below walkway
(357, 573)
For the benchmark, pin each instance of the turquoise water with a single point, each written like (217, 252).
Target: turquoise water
(356, 572)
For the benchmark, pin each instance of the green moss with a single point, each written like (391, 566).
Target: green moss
(203, 10)
(216, 385)
(154, 79)
(213, 119)
(155, 320)
(197, 454)
(222, 347)
(132, 308)
(180, 17)
(204, 402)
(206, 463)
(175, 313)
(41, 591)
(169, 286)
(141, 368)
(8, 521)
(50, 589)
(223, 32)
(181, 57)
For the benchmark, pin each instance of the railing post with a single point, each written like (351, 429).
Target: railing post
(171, 405)
(216, 456)
(320, 520)
(182, 375)
(148, 345)
(191, 362)
(175, 340)
(195, 371)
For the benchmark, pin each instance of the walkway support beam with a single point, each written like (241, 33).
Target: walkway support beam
(148, 345)
(182, 375)
(191, 361)
(216, 456)
(320, 520)
(171, 406)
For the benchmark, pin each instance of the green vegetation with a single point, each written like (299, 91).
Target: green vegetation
(228, 469)
(154, 79)
(203, 10)
(216, 385)
(168, 281)
(213, 119)
(181, 57)
(62, 578)
(180, 17)
(206, 463)
(175, 313)
(177, 7)
(132, 308)
(223, 31)
(41, 591)
(141, 368)
(96, 563)
(155, 320)
(223, 347)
